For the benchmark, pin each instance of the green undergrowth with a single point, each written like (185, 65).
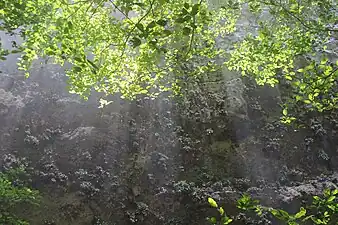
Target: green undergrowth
(322, 210)
(15, 195)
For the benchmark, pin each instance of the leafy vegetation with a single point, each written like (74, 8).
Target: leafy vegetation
(135, 54)
(148, 47)
(224, 218)
(14, 193)
(323, 210)
(292, 48)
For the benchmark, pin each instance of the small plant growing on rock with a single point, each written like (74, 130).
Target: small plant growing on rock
(224, 219)
(326, 208)
(14, 193)
(322, 211)
(247, 203)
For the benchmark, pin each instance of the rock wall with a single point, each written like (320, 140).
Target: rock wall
(156, 161)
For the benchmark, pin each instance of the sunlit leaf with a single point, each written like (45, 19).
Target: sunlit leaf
(301, 213)
(212, 202)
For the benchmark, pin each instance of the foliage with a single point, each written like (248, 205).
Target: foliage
(134, 54)
(292, 48)
(14, 193)
(224, 219)
(323, 210)
(326, 207)
(146, 47)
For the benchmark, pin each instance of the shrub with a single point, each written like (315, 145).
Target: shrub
(322, 210)
(13, 194)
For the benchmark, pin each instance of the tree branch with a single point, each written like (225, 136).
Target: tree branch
(132, 30)
(118, 9)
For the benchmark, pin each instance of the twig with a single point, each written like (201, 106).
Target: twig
(192, 33)
(78, 7)
(118, 9)
(302, 22)
(131, 31)
(192, 37)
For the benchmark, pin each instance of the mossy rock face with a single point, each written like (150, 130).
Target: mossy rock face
(66, 210)
(222, 148)
(198, 174)
(218, 158)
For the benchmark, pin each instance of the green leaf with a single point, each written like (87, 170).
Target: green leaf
(254, 6)
(77, 69)
(15, 51)
(331, 198)
(184, 12)
(186, 30)
(310, 96)
(280, 214)
(136, 42)
(186, 5)
(221, 211)
(317, 221)
(310, 66)
(274, 212)
(183, 19)
(327, 192)
(301, 213)
(228, 220)
(187, 18)
(70, 24)
(324, 61)
(167, 32)
(212, 202)
(288, 77)
(140, 26)
(140, 4)
(213, 220)
(293, 223)
(151, 25)
(161, 22)
(284, 214)
(162, 2)
(153, 42)
(92, 64)
(333, 208)
(195, 9)
(285, 112)
(307, 218)
(78, 59)
(180, 20)
(298, 97)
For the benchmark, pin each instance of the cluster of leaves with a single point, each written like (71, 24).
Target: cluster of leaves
(13, 194)
(123, 46)
(141, 47)
(323, 210)
(292, 48)
(224, 219)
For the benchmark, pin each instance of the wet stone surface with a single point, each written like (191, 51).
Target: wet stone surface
(156, 161)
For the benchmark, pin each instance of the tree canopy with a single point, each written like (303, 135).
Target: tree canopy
(135, 47)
